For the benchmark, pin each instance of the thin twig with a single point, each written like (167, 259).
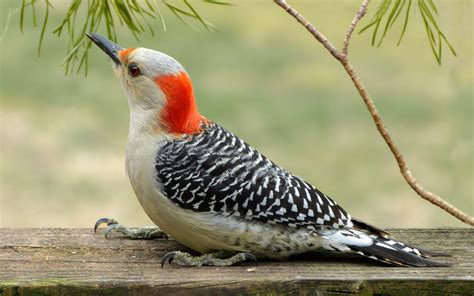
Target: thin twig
(429, 196)
(360, 14)
(343, 59)
(318, 35)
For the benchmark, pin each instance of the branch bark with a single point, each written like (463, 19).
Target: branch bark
(342, 57)
(347, 38)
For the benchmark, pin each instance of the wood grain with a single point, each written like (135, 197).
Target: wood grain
(79, 262)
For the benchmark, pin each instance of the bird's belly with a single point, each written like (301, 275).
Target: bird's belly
(205, 232)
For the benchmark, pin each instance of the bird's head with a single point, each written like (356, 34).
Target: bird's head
(159, 91)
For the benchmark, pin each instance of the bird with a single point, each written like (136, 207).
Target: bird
(214, 193)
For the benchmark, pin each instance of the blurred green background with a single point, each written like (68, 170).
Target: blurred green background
(266, 79)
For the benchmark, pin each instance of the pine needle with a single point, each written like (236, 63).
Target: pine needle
(389, 12)
(135, 15)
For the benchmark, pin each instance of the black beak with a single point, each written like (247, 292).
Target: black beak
(110, 48)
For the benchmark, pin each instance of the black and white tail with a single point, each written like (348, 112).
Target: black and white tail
(380, 248)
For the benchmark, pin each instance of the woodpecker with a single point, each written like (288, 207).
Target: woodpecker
(216, 194)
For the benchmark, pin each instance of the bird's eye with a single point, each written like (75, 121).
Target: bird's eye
(134, 71)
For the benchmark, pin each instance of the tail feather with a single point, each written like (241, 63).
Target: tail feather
(395, 253)
(364, 226)
(379, 248)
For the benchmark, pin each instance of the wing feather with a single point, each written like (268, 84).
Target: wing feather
(215, 171)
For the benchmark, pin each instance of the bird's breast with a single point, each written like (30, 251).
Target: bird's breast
(139, 164)
(190, 228)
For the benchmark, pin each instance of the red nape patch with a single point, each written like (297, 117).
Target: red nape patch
(124, 53)
(180, 114)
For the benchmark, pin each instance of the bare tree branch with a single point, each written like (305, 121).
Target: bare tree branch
(318, 35)
(360, 14)
(343, 59)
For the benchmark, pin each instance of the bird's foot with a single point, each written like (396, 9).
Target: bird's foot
(150, 232)
(211, 259)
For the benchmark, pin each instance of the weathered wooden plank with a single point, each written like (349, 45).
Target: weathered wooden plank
(77, 261)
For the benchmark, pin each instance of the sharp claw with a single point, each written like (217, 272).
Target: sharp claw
(99, 222)
(109, 229)
(169, 256)
(107, 221)
(250, 256)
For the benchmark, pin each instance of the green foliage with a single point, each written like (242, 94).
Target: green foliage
(24, 5)
(132, 14)
(135, 16)
(393, 10)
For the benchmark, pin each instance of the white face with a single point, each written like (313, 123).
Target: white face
(138, 72)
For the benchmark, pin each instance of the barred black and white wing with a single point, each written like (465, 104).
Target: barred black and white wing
(215, 171)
